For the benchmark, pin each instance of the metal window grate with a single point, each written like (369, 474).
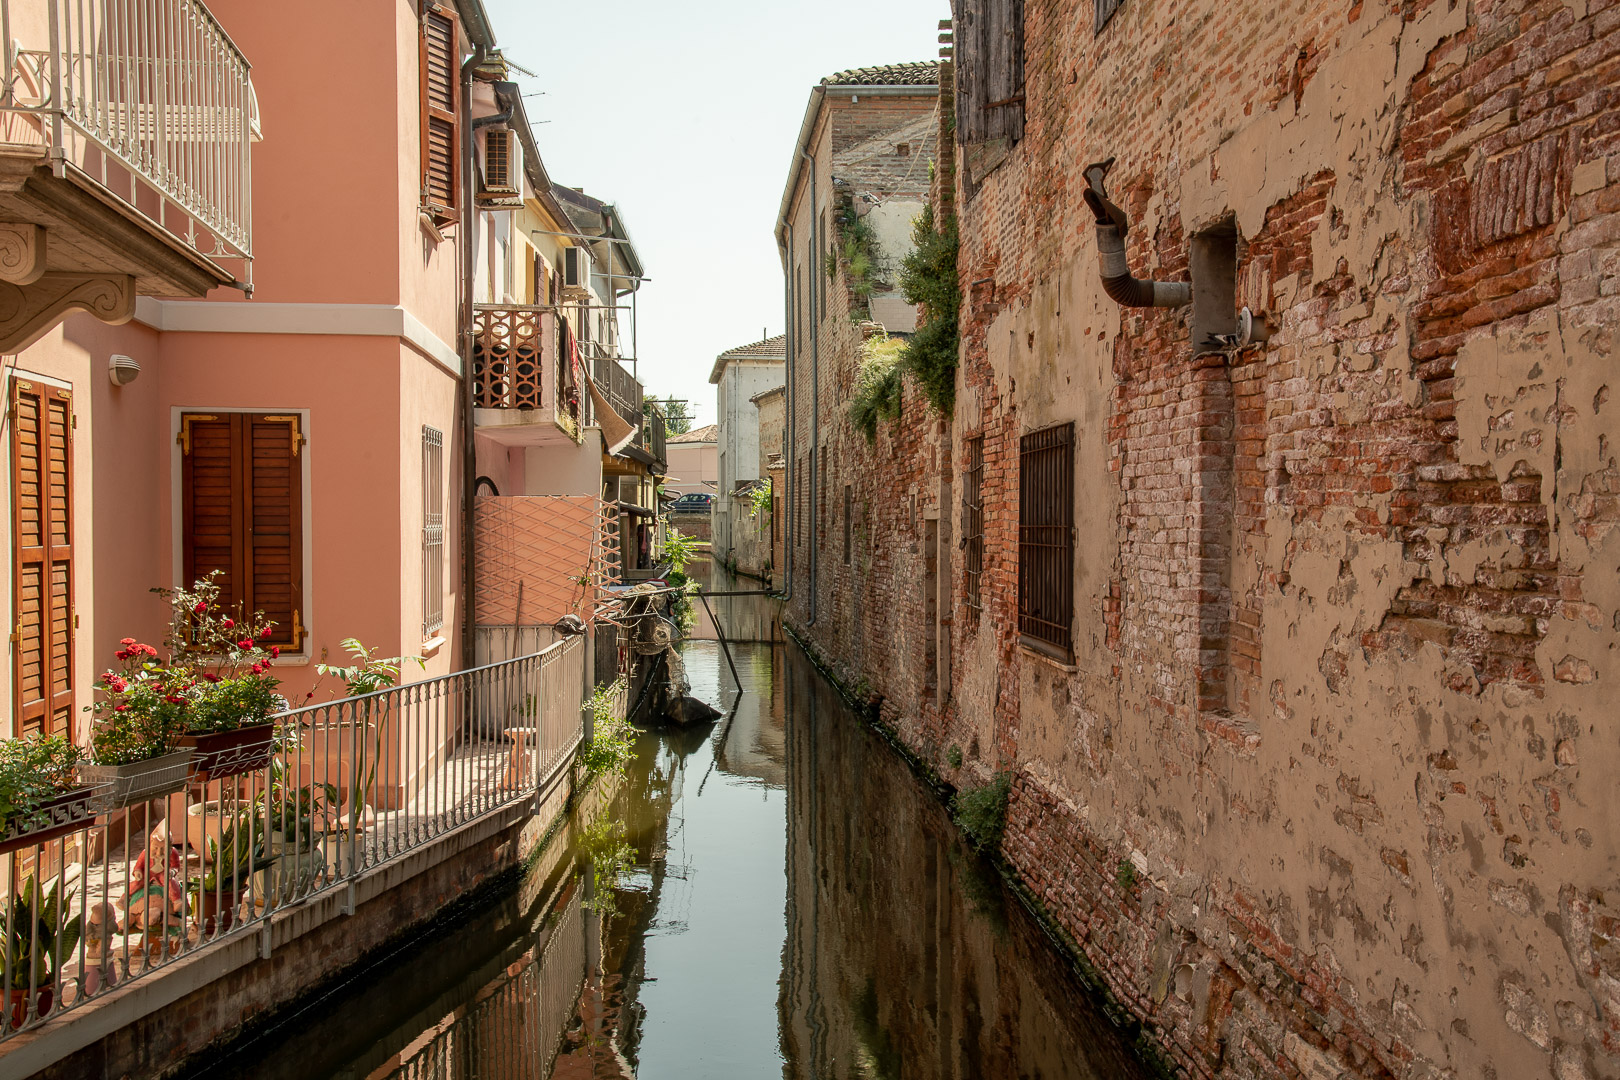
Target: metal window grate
(432, 532)
(1046, 539)
(973, 519)
(1105, 11)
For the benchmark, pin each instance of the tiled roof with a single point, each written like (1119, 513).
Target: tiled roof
(920, 73)
(707, 433)
(772, 348)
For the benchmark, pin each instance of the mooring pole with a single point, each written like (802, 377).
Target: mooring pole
(721, 634)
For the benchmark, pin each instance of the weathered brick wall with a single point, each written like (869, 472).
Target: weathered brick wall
(1327, 788)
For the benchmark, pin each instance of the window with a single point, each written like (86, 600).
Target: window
(990, 70)
(1046, 540)
(432, 532)
(973, 519)
(849, 518)
(242, 509)
(1105, 11)
(826, 287)
(441, 137)
(42, 547)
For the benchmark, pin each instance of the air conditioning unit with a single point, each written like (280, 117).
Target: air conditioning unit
(576, 272)
(503, 162)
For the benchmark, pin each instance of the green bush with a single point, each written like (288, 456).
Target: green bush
(928, 277)
(953, 756)
(34, 770)
(982, 811)
(877, 385)
(612, 741)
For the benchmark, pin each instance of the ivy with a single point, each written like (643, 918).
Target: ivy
(928, 277)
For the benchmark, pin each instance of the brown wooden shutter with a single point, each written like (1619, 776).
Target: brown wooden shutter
(42, 539)
(990, 70)
(242, 514)
(441, 137)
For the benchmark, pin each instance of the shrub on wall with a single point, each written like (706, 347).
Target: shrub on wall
(928, 277)
(877, 385)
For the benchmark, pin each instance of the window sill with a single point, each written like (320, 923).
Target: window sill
(431, 646)
(291, 660)
(1039, 650)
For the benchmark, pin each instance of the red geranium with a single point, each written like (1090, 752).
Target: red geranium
(245, 643)
(201, 606)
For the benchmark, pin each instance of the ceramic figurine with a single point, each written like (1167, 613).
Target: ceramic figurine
(156, 899)
(101, 962)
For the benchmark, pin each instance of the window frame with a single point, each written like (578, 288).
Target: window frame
(433, 532)
(51, 721)
(973, 523)
(430, 111)
(1046, 532)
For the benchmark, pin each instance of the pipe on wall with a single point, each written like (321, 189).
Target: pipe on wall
(815, 381)
(469, 446)
(789, 344)
(1112, 225)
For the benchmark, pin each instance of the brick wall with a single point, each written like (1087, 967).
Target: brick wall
(1325, 788)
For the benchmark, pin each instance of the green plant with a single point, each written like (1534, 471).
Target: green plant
(928, 277)
(877, 384)
(38, 934)
(604, 846)
(369, 674)
(142, 709)
(612, 741)
(982, 811)
(758, 499)
(238, 851)
(229, 667)
(679, 549)
(1125, 875)
(953, 756)
(34, 770)
(859, 252)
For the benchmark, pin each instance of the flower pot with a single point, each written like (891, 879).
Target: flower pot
(17, 1003)
(68, 811)
(216, 911)
(220, 754)
(138, 781)
(299, 866)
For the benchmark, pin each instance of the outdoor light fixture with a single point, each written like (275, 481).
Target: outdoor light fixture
(122, 370)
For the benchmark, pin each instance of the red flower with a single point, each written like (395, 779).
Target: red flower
(122, 654)
(309, 695)
(258, 669)
(245, 643)
(174, 699)
(201, 606)
(210, 676)
(126, 642)
(120, 708)
(228, 623)
(116, 684)
(275, 652)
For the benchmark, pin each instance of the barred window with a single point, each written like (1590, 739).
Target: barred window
(973, 519)
(432, 532)
(1046, 540)
(1105, 11)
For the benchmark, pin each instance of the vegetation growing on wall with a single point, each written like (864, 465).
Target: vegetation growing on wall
(982, 812)
(928, 277)
(877, 384)
(858, 251)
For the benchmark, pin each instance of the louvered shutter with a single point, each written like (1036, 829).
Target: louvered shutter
(42, 539)
(243, 514)
(990, 70)
(440, 135)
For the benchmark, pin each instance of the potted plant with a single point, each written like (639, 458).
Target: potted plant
(133, 739)
(41, 795)
(232, 693)
(238, 853)
(38, 938)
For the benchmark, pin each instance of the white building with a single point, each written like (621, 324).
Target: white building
(740, 374)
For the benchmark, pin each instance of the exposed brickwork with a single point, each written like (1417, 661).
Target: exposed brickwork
(1325, 790)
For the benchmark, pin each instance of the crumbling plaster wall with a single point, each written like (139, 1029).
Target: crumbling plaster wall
(1393, 850)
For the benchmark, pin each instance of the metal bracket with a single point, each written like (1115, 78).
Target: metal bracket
(348, 899)
(265, 940)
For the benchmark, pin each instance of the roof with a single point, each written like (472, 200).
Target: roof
(917, 73)
(707, 433)
(771, 348)
(772, 392)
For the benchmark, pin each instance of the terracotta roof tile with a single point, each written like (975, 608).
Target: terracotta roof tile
(707, 433)
(919, 73)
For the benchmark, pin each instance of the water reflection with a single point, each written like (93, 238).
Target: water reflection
(780, 896)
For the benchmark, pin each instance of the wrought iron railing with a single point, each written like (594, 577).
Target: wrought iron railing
(125, 887)
(521, 360)
(137, 94)
(616, 383)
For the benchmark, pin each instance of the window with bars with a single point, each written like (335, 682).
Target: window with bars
(1046, 540)
(1105, 11)
(432, 532)
(973, 519)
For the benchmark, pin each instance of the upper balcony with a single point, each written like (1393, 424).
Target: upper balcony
(625, 394)
(126, 131)
(526, 391)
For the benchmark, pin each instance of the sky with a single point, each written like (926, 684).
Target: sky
(685, 115)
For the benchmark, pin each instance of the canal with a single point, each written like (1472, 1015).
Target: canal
(774, 894)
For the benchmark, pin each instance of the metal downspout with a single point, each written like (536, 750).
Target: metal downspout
(469, 450)
(792, 418)
(815, 385)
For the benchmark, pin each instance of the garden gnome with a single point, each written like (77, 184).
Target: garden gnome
(101, 964)
(156, 898)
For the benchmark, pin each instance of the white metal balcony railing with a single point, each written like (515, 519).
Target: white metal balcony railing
(133, 93)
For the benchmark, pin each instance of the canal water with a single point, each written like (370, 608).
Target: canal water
(775, 894)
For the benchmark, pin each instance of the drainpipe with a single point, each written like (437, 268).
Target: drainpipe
(789, 345)
(815, 381)
(1112, 225)
(469, 450)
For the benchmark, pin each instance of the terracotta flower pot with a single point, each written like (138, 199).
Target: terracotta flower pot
(216, 911)
(17, 1003)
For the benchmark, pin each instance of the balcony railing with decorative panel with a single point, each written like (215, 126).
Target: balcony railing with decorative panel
(523, 359)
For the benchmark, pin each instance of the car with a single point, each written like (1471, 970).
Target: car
(693, 502)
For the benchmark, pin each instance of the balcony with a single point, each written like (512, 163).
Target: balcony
(126, 130)
(526, 391)
(625, 395)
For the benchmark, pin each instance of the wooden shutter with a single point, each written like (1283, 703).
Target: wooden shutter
(42, 542)
(441, 136)
(990, 70)
(242, 514)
